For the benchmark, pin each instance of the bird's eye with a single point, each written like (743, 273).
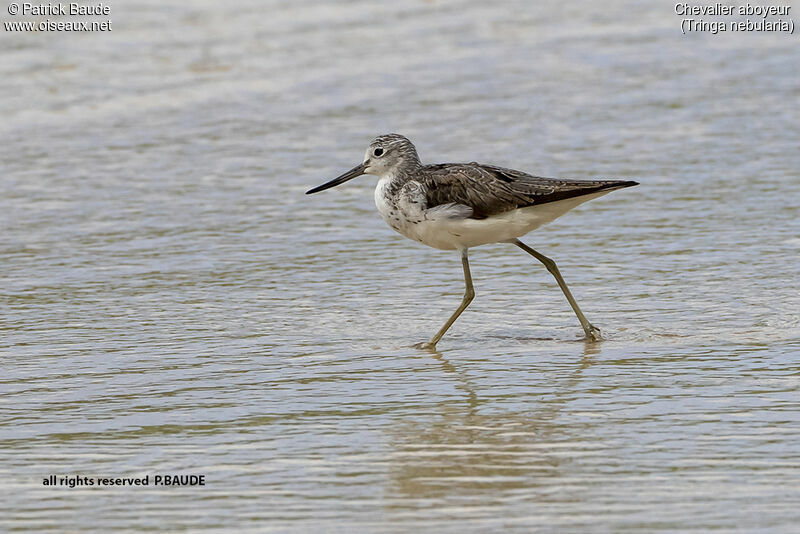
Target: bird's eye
(378, 152)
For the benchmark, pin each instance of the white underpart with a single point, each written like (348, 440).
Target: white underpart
(448, 227)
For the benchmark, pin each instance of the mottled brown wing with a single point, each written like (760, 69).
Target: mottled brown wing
(490, 190)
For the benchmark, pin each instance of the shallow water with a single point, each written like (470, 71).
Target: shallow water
(173, 303)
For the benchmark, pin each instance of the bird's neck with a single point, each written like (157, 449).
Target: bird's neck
(402, 173)
(390, 183)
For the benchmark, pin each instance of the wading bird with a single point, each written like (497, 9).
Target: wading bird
(456, 206)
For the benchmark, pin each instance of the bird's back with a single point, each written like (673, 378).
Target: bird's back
(489, 190)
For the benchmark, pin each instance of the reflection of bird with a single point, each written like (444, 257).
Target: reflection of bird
(455, 206)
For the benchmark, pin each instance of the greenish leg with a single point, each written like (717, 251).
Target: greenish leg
(469, 294)
(592, 333)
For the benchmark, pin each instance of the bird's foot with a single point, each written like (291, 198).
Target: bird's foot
(426, 345)
(593, 334)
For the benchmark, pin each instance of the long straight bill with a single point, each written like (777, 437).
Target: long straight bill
(349, 175)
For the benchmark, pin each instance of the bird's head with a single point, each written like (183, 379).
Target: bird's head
(386, 154)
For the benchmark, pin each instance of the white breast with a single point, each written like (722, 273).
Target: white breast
(382, 202)
(402, 216)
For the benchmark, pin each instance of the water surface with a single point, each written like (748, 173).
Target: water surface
(171, 301)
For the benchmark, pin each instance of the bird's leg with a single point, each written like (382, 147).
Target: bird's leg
(469, 294)
(592, 333)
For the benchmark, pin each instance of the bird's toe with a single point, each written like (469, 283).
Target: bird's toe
(593, 334)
